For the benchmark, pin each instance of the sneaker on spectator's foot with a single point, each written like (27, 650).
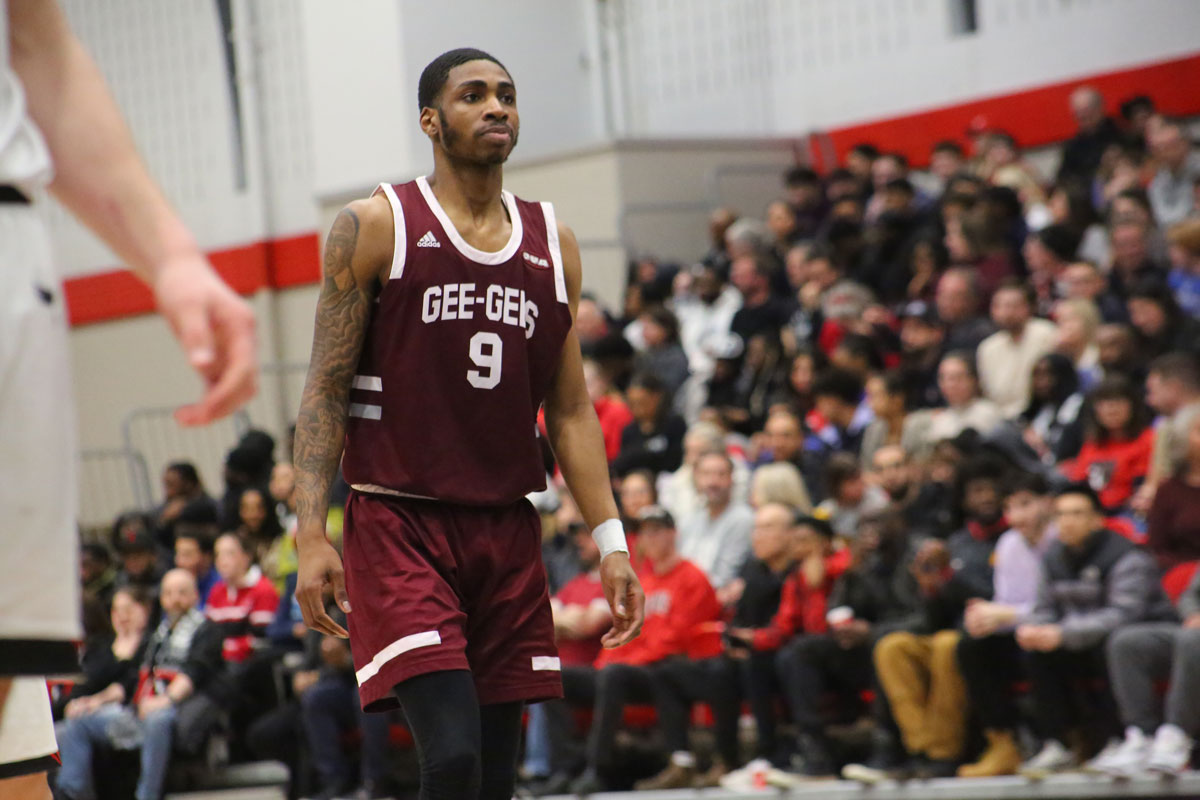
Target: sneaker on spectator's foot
(871, 774)
(1002, 757)
(1171, 751)
(675, 776)
(587, 783)
(1053, 757)
(752, 776)
(818, 763)
(1098, 764)
(558, 783)
(1124, 759)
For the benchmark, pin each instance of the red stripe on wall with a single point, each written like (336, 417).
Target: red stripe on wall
(1035, 116)
(275, 263)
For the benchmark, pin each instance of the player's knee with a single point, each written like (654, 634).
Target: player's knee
(451, 769)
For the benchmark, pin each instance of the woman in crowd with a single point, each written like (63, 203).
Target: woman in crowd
(779, 482)
(110, 660)
(965, 407)
(796, 394)
(1070, 204)
(259, 523)
(1078, 320)
(887, 395)
(663, 355)
(1051, 422)
(1173, 524)
(1115, 456)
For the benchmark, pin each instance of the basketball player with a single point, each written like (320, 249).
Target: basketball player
(55, 110)
(445, 319)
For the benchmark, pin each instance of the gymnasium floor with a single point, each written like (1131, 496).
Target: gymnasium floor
(1062, 786)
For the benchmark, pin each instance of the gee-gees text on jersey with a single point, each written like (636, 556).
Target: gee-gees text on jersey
(504, 304)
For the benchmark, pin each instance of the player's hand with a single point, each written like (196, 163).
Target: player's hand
(216, 329)
(320, 565)
(623, 591)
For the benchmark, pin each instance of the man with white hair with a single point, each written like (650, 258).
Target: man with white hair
(1082, 152)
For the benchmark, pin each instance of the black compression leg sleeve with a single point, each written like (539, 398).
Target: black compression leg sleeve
(443, 715)
(501, 735)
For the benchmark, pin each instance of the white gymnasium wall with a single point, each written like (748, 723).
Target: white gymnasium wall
(637, 116)
(779, 67)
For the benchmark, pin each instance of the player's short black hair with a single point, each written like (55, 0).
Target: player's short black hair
(433, 77)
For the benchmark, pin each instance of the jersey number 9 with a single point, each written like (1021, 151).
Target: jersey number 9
(487, 353)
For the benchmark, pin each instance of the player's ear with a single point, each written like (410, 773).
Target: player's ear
(430, 123)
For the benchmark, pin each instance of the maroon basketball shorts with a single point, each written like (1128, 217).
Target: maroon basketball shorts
(436, 586)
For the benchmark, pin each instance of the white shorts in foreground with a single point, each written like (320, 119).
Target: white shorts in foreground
(26, 727)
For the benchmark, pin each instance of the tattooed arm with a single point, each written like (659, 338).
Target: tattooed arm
(357, 252)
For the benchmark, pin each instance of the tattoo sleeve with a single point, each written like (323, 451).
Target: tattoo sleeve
(342, 311)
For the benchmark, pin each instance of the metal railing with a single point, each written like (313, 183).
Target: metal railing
(111, 480)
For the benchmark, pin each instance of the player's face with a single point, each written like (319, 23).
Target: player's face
(476, 119)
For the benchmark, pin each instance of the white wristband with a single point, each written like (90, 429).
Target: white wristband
(609, 536)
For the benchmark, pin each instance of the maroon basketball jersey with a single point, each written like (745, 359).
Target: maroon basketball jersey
(460, 350)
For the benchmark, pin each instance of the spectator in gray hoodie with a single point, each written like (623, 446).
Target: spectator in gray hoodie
(1160, 731)
(1093, 582)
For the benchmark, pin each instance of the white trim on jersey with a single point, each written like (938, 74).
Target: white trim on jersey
(398, 647)
(560, 278)
(400, 253)
(476, 255)
(367, 383)
(366, 411)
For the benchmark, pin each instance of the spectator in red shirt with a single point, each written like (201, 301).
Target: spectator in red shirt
(243, 602)
(679, 599)
(1115, 456)
(611, 409)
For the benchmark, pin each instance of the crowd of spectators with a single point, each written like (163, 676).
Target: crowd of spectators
(918, 451)
(910, 469)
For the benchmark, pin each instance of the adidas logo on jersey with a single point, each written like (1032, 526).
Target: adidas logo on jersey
(535, 260)
(428, 240)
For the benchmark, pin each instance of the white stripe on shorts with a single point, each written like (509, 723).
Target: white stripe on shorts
(546, 664)
(401, 645)
(366, 410)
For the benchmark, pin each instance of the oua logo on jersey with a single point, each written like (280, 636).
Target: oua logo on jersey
(504, 304)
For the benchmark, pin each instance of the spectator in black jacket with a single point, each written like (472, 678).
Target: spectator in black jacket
(654, 440)
(1093, 582)
(1083, 151)
(760, 582)
(110, 660)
